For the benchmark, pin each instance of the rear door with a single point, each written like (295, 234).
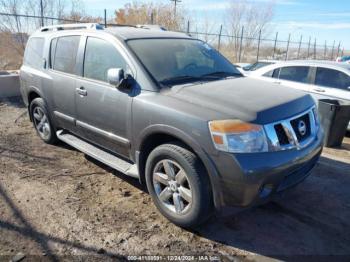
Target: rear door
(331, 83)
(297, 77)
(103, 110)
(31, 71)
(63, 71)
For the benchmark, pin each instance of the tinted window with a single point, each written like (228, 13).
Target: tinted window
(332, 78)
(268, 74)
(34, 52)
(66, 53)
(185, 59)
(99, 57)
(272, 73)
(295, 73)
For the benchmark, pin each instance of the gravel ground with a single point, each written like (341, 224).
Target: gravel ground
(57, 204)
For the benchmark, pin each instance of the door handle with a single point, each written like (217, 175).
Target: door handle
(319, 90)
(277, 82)
(81, 91)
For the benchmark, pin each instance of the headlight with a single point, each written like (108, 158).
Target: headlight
(236, 136)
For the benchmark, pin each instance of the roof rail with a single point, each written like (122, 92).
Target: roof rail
(152, 27)
(94, 26)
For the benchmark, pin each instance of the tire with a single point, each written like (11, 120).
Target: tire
(41, 121)
(169, 189)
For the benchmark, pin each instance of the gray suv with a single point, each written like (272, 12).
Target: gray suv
(171, 111)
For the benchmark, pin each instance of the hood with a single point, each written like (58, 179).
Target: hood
(246, 99)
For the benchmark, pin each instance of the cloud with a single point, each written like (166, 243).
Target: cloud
(221, 5)
(335, 14)
(210, 6)
(316, 25)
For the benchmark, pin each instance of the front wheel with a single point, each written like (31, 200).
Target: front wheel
(179, 185)
(41, 121)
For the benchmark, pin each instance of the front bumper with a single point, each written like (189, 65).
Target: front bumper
(249, 179)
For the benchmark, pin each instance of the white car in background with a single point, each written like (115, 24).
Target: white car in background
(322, 79)
(249, 68)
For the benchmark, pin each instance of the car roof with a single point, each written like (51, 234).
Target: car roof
(315, 63)
(121, 31)
(272, 61)
(128, 33)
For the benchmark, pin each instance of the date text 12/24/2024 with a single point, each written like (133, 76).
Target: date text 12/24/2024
(174, 258)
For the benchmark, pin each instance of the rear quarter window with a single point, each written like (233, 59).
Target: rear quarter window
(33, 55)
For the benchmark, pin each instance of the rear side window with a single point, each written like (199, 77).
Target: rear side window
(34, 52)
(99, 57)
(66, 54)
(295, 73)
(332, 78)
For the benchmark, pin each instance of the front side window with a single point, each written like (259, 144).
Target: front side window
(294, 73)
(34, 52)
(176, 60)
(66, 54)
(332, 78)
(99, 57)
(273, 73)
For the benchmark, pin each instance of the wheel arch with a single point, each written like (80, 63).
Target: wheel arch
(32, 94)
(156, 135)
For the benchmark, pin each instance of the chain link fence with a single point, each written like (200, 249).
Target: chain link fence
(15, 29)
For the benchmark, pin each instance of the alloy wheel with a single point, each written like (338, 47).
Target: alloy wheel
(41, 123)
(172, 186)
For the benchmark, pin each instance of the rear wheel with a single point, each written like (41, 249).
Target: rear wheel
(41, 121)
(179, 185)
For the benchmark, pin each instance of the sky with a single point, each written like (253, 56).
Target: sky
(324, 20)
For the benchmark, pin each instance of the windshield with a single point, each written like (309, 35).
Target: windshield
(174, 61)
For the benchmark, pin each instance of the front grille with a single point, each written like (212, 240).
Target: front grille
(295, 124)
(295, 132)
(281, 134)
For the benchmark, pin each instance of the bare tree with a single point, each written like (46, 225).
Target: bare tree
(142, 13)
(15, 28)
(253, 17)
(208, 27)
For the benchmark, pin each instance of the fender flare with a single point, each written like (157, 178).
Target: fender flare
(195, 146)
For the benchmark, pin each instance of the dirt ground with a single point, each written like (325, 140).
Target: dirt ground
(57, 204)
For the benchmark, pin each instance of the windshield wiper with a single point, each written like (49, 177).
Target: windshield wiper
(220, 74)
(189, 78)
(179, 79)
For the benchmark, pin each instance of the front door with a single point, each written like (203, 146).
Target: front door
(102, 110)
(295, 76)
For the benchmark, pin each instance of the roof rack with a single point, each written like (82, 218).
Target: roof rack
(94, 26)
(152, 27)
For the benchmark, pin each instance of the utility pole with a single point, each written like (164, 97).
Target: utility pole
(175, 4)
(42, 13)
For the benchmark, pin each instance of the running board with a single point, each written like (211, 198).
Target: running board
(99, 154)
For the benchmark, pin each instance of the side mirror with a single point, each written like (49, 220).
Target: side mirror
(115, 76)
